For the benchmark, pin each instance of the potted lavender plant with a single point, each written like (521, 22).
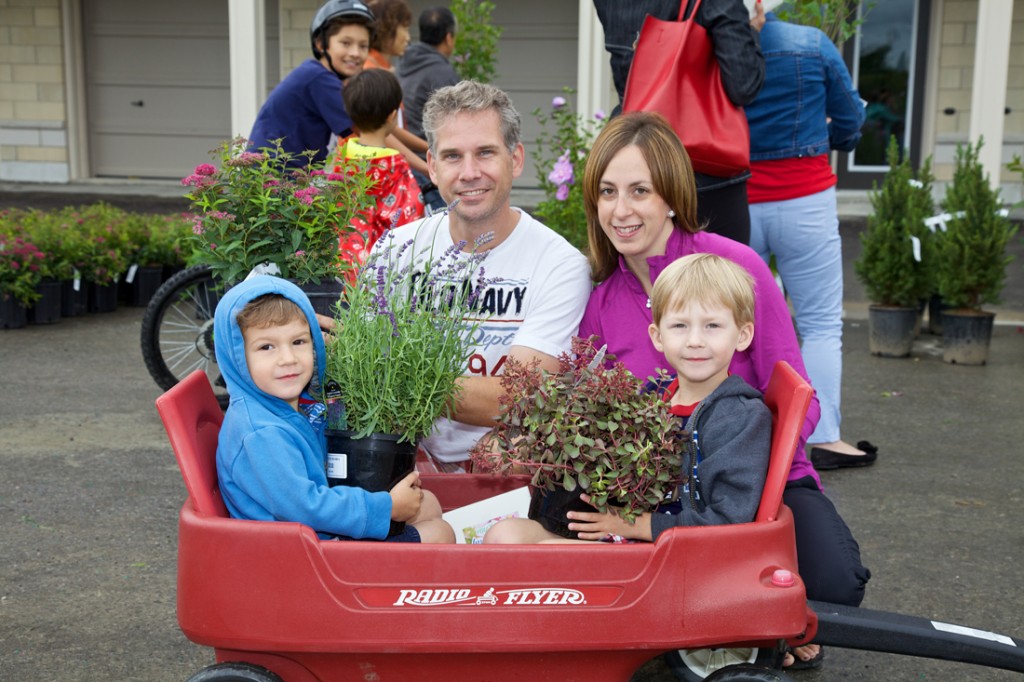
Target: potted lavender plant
(401, 344)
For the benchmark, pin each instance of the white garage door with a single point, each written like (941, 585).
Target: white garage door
(536, 58)
(157, 84)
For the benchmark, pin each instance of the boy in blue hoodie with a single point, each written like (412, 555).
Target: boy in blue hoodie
(271, 450)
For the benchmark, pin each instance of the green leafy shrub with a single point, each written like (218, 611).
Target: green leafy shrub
(476, 40)
(586, 426)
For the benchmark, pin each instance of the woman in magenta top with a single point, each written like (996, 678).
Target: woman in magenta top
(640, 201)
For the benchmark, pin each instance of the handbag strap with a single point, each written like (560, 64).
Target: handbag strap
(693, 10)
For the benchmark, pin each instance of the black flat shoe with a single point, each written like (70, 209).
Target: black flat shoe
(824, 460)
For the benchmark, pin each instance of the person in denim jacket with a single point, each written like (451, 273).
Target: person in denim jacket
(807, 108)
(721, 202)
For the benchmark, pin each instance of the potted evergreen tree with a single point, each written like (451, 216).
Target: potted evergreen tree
(892, 266)
(972, 259)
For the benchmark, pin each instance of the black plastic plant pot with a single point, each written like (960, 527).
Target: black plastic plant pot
(74, 302)
(375, 463)
(46, 310)
(103, 297)
(145, 283)
(548, 508)
(324, 296)
(966, 336)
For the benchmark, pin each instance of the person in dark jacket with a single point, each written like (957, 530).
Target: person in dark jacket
(721, 202)
(424, 69)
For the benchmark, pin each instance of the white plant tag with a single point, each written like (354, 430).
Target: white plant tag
(916, 242)
(263, 269)
(337, 465)
(77, 283)
(130, 277)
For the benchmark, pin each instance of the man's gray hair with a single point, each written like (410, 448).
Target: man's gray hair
(470, 96)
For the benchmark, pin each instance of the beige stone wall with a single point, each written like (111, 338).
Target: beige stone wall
(33, 119)
(954, 80)
(295, 18)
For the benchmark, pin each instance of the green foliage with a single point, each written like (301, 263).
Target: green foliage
(588, 426)
(837, 18)
(257, 210)
(887, 267)
(403, 338)
(156, 240)
(95, 242)
(559, 157)
(476, 40)
(1017, 166)
(972, 256)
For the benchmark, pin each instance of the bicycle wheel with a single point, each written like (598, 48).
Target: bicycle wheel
(177, 330)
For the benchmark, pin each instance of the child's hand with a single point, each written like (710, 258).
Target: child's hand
(597, 525)
(406, 497)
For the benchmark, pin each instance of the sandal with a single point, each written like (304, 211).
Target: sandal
(800, 664)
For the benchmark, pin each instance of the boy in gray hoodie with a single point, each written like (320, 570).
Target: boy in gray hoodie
(703, 311)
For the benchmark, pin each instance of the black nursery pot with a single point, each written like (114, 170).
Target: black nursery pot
(103, 297)
(375, 463)
(324, 296)
(548, 508)
(144, 284)
(47, 309)
(74, 302)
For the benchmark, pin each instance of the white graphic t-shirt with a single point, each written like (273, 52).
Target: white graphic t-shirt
(538, 301)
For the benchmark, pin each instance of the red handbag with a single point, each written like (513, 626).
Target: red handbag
(675, 73)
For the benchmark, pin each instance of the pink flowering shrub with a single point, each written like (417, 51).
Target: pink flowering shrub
(559, 156)
(20, 269)
(258, 208)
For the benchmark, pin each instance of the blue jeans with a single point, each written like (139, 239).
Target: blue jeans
(803, 234)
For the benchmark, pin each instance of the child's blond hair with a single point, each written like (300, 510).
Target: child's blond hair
(269, 310)
(704, 278)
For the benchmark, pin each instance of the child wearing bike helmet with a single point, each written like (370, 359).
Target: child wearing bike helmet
(306, 107)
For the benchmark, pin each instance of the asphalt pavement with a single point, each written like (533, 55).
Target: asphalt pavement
(90, 492)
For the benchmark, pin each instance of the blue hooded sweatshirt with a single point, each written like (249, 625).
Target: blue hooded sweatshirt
(270, 458)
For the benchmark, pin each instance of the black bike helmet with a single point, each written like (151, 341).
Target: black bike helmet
(338, 9)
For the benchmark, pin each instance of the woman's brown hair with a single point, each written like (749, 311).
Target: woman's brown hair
(671, 175)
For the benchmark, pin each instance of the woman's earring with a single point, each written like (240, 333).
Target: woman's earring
(671, 213)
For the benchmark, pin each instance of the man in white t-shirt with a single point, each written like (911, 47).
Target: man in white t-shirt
(533, 312)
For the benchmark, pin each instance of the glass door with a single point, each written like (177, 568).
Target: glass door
(887, 60)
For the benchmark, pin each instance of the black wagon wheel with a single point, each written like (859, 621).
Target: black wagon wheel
(177, 330)
(694, 665)
(234, 672)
